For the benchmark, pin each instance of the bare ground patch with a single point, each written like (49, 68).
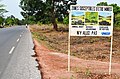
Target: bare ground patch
(85, 48)
(53, 65)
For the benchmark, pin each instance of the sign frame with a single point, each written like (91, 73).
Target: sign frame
(110, 35)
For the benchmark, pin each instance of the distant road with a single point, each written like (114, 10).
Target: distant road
(16, 61)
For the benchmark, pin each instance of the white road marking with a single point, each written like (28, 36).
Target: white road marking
(11, 50)
(18, 39)
(20, 35)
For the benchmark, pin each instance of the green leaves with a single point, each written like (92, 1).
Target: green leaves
(102, 4)
(117, 19)
(2, 10)
(1, 20)
(32, 10)
(44, 11)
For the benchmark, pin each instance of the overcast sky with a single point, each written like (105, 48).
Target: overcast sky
(13, 5)
(94, 2)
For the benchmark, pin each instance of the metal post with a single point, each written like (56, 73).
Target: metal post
(69, 53)
(110, 64)
(69, 34)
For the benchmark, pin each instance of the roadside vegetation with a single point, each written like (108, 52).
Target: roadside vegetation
(91, 48)
(48, 22)
(83, 47)
(87, 48)
(9, 20)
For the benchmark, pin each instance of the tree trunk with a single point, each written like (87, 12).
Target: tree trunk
(55, 27)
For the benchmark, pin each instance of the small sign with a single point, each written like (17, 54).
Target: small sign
(91, 20)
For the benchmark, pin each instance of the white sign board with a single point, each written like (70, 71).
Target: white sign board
(90, 20)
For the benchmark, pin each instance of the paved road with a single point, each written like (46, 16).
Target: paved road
(16, 61)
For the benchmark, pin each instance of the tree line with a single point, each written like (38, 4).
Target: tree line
(53, 11)
(48, 11)
(10, 20)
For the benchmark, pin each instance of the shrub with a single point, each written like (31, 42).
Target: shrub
(66, 20)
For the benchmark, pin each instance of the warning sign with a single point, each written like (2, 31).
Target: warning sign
(91, 20)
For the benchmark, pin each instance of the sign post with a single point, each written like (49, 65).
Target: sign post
(69, 44)
(68, 53)
(90, 21)
(110, 64)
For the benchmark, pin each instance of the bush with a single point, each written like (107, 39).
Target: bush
(66, 20)
(117, 19)
(39, 23)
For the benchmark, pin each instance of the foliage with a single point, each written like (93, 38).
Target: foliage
(66, 20)
(102, 4)
(33, 10)
(117, 18)
(11, 20)
(39, 23)
(1, 20)
(46, 11)
(116, 8)
(2, 10)
(54, 11)
(116, 11)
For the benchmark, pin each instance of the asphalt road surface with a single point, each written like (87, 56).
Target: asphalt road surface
(16, 61)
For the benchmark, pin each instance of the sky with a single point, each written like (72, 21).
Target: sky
(104, 14)
(78, 13)
(13, 5)
(94, 2)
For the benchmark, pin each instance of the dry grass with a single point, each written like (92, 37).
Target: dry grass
(91, 48)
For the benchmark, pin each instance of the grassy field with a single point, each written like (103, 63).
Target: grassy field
(87, 48)
(78, 18)
(90, 48)
(105, 19)
(91, 18)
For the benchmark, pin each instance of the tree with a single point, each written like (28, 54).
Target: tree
(117, 19)
(1, 20)
(16, 21)
(58, 9)
(116, 8)
(2, 10)
(102, 4)
(10, 20)
(66, 20)
(47, 11)
(32, 10)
